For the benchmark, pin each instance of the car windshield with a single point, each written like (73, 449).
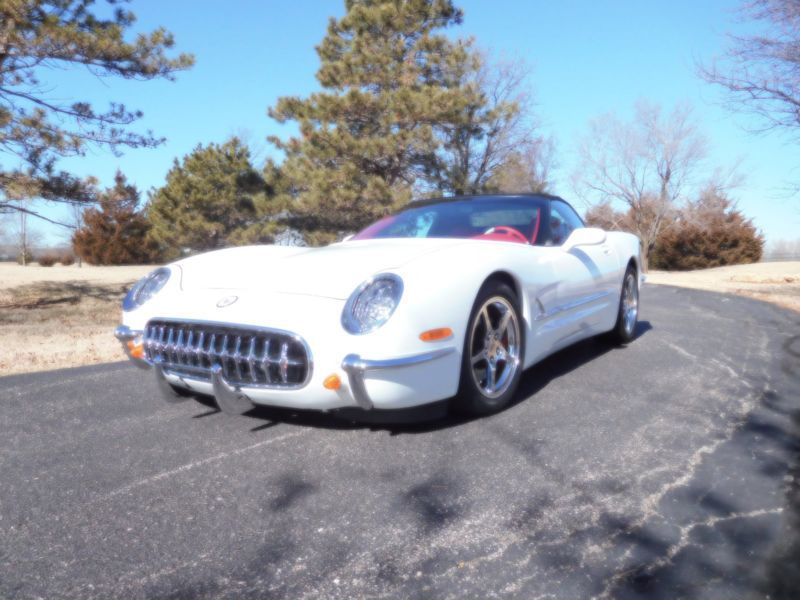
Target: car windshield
(466, 218)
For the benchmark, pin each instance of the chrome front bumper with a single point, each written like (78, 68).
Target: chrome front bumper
(357, 368)
(233, 399)
(124, 333)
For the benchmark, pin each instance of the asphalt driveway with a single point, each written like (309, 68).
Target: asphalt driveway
(666, 468)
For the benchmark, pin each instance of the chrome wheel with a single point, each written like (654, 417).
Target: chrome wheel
(630, 303)
(494, 346)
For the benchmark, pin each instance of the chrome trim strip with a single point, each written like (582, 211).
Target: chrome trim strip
(357, 368)
(124, 333)
(229, 399)
(570, 305)
(173, 348)
(168, 393)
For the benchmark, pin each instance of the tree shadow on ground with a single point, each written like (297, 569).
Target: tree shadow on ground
(735, 525)
(783, 568)
(54, 293)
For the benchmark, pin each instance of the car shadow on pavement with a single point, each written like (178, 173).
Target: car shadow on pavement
(541, 374)
(534, 379)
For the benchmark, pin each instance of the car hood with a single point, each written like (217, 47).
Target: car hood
(333, 271)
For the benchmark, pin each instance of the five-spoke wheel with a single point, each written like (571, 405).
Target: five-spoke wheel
(630, 302)
(494, 346)
(493, 351)
(628, 312)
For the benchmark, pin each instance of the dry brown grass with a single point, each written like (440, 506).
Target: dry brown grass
(57, 317)
(776, 282)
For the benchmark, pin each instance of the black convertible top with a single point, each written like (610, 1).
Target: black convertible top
(446, 199)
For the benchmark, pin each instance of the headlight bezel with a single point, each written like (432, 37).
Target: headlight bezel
(140, 294)
(351, 323)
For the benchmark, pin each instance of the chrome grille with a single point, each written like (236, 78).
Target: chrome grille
(254, 357)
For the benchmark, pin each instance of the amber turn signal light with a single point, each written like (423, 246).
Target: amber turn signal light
(434, 335)
(332, 382)
(135, 350)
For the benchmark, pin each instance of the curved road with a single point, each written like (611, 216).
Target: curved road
(667, 468)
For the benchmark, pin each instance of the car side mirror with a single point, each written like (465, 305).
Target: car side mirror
(585, 236)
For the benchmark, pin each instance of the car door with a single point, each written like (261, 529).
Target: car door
(585, 278)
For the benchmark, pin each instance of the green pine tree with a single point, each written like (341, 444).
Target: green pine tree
(369, 138)
(40, 124)
(115, 233)
(213, 198)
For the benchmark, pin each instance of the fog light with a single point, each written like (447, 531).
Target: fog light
(332, 382)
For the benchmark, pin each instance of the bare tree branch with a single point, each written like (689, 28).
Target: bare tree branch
(496, 129)
(8, 206)
(761, 73)
(645, 164)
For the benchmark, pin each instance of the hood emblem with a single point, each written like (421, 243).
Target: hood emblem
(226, 301)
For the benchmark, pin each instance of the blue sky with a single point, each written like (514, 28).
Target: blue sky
(588, 58)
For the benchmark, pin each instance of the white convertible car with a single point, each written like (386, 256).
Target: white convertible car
(447, 300)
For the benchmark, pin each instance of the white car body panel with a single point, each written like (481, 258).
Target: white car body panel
(567, 294)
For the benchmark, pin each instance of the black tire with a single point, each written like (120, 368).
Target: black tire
(624, 332)
(473, 398)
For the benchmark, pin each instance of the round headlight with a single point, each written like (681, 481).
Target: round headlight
(144, 289)
(371, 305)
